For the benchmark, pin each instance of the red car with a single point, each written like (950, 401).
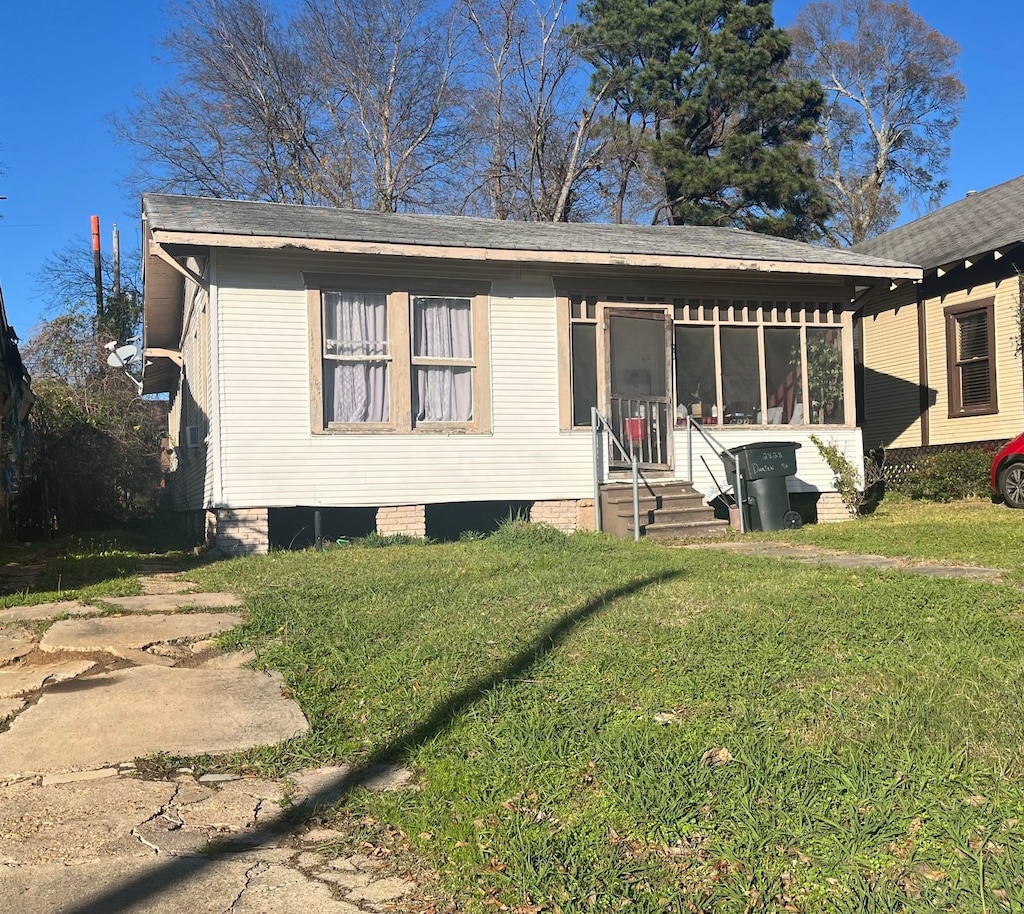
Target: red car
(1008, 473)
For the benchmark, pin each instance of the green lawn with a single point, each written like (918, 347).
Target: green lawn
(971, 532)
(556, 696)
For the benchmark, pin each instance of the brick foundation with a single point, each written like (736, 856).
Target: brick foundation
(567, 515)
(241, 531)
(402, 520)
(831, 509)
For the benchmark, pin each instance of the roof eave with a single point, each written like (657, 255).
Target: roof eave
(163, 290)
(892, 271)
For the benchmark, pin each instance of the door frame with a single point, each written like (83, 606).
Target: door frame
(665, 313)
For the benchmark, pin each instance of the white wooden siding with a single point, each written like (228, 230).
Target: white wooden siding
(191, 485)
(813, 474)
(270, 457)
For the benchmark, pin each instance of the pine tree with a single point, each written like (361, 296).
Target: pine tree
(727, 127)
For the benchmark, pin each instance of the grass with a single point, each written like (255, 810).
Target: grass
(89, 567)
(972, 532)
(556, 696)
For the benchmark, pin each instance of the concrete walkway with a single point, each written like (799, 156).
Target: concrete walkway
(84, 696)
(815, 555)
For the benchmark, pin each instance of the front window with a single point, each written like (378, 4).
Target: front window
(970, 357)
(442, 351)
(356, 356)
(695, 374)
(825, 376)
(784, 376)
(393, 354)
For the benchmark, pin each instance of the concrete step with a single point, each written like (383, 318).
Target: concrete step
(619, 494)
(659, 530)
(677, 515)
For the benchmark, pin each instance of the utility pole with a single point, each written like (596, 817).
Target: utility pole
(116, 291)
(97, 265)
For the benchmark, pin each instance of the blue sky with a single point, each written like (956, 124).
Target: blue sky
(67, 65)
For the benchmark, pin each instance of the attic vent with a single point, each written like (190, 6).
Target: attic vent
(192, 437)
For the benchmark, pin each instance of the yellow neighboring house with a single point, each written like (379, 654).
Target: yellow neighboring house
(941, 357)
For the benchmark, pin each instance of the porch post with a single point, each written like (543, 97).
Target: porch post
(596, 441)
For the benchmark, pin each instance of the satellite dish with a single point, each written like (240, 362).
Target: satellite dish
(123, 356)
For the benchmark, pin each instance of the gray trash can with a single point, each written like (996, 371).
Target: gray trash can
(764, 467)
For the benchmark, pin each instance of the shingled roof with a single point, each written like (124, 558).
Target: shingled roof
(985, 221)
(231, 222)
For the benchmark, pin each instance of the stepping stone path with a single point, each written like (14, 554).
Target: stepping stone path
(813, 555)
(118, 843)
(81, 832)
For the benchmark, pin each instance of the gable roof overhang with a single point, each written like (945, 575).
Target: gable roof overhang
(162, 313)
(984, 224)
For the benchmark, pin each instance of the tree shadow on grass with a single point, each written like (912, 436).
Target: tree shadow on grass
(178, 869)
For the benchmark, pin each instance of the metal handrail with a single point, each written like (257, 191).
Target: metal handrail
(597, 423)
(717, 446)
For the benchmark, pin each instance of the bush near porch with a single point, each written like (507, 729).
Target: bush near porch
(565, 703)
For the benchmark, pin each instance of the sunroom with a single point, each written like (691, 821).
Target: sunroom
(737, 361)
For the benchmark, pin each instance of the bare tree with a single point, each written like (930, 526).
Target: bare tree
(893, 99)
(390, 77)
(533, 114)
(242, 118)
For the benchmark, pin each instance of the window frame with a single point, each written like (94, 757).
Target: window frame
(400, 292)
(952, 315)
(717, 307)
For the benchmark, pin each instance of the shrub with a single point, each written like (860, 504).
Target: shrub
(948, 475)
(847, 477)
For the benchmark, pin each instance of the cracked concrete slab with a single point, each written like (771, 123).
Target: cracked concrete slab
(233, 807)
(276, 889)
(149, 885)
(180, 711)
(23, 678)
(116, 634)
(14, 645)
(142, 846)
(235, 660)
(42, 611)
(75, 822)
(381, 891)
(168, 603)
(9, 706)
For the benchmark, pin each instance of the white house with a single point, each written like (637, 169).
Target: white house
(392, 370)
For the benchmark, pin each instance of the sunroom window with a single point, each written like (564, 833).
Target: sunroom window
(784, 376)
(741, 376)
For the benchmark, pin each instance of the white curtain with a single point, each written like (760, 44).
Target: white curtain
(356, 329)
(443, 329)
